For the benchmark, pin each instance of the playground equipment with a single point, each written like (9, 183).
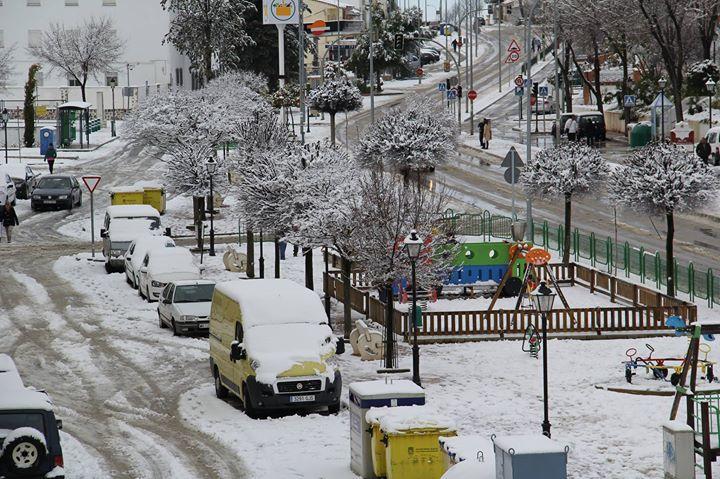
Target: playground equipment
(531, 341)
(488, 261)
(366, 343)
(660, 367)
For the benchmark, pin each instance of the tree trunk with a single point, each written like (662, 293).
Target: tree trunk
(345, 269)
(277, 257)
(677, 101)
(332, 128)
(568, 223)
(308, 254)
(389, 328)
(596, 68)
(250, 251)
(566, 80)
(669, 253)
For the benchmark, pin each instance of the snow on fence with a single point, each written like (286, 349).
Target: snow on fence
(644, 314)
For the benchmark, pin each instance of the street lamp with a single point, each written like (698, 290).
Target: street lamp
(661, 83)
(113, 84)
(543, 299)
(211, 166)
(710, 85)
(412, 246)
(5, 119)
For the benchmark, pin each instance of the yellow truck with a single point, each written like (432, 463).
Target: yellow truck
(143, 193)
(270, 345)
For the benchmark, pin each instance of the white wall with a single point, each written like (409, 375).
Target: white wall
(142, 24)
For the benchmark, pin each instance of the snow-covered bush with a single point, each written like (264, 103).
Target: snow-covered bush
(335, 96)
(698, 74)
(662, 179)
(409, 140)
(564, 171)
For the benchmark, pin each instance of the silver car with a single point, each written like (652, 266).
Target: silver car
(185, 306)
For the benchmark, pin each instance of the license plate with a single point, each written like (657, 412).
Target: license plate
(50, 202)
(306, 398)
(203, 326)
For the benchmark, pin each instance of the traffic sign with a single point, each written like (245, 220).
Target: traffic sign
(519, 80)
(419, 72)
(512, 159)
(519, 91)
(451, 94)
(543, 91)
(472, 94)
(446, 66)
(442, 86)
(280, 12)
(514, 47)
(528, 82)
(630, 101)
(512, 175)
(91, 182)
(318, 27)
(512, 57)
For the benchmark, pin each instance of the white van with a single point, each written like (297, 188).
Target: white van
(123, 224)
(713, 137)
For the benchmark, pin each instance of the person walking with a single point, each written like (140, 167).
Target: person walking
(481, 132)
(9, 220)
(454, 45)
(487, 134)
(571, 127)
(459, 91)
(703, 150)
(50, 155)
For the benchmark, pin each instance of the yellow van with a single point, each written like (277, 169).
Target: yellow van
(270, 344)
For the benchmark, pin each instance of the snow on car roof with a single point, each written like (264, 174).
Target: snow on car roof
(9, 375)
(14, 393)
(192, 282)
(131, 211)
(15, 171)
(274, 301)
(171, 260)
(128, 229)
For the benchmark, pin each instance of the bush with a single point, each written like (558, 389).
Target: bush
(698, 74)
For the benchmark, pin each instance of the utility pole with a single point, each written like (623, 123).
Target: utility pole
(301, 68)
(372, 70)
(528, 88)
(497, 19)
(473, 26)
(558, 127)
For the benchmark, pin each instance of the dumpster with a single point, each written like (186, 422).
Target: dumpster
(378, 393)
(640, 135)
(408, 438)
(529, 457)
(457, 449)
(154, 195)
(127, 195)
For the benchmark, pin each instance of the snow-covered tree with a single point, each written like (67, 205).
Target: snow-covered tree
(6, 56)
(334, 96)
(664, 179)
(82, 51)
(409, 140)
(242, 79)
(570, 169)
(210, 32)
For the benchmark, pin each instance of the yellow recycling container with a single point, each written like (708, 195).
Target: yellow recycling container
(406, 437)
(155, 197)
(127, 195)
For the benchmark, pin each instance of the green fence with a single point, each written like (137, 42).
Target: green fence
(602, 252)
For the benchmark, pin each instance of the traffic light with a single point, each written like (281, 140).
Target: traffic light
(509, 10)
(399, 41)
(535, 89)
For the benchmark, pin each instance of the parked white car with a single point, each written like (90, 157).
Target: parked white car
(124, 223)
(136, 254)
(7, 187)
(185, 306)
(160, 266)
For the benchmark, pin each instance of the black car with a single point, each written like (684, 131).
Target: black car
(56, 192)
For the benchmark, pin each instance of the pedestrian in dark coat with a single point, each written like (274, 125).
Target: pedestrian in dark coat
(481, 132)
(454, 45)
(703, 150)
(9, 219)
(50, 155)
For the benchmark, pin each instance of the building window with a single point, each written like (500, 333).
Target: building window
(179, 76)
(72, 81)
(34, 38)
(109, 3)
(197, 80)
(33, 3)
(111, 76)
(71, 3)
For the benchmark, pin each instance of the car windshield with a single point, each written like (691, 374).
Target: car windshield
(194, 293)
(712, 137)
(54, 183)
(135, 223)
(11, 421)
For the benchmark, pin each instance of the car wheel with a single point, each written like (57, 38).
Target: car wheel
(23, 455)
(174, 328)
(147, 294)
(334, 408)
(79, 200)
(140, 293)
(221, 392)
(247, 405)
(108, 268)
(161, 323)
(127, 280)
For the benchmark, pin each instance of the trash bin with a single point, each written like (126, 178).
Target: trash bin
(127, 195)
(529, 457)
(457, 449)
(678, 453)
(408, 437)
(378, 393)
(640, 135)
(47, 138)
(154, 196)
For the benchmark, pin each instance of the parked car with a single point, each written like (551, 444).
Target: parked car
(544, 106)
(123, 224)
(56, 192)
(412, 62)
(7, 188)
(584, 120)
(136, 253)
(270, 344)
(428, 56)
(29, 429)
(163, 265)
(481, 21)
(24, 178)
(185, 306)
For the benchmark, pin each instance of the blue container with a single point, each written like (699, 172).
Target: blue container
(529, 457)
(47, 138)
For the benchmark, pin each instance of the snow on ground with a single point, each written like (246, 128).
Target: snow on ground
(80, 463)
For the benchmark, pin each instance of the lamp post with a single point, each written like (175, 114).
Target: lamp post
(5, 119)
(710, 85)
(543, 300)
(211, 166)
(412, 245)
(113, 84)
(661, 83)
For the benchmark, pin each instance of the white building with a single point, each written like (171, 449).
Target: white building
(147, 63)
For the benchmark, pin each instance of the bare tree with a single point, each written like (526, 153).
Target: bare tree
(707, 14)
(80, 52)
(6, 57)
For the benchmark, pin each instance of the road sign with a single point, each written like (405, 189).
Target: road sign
(528, 82)
(519, 81)
(519, 91)
(280, 12)
(543, 91)
(472, 94)
(512, 159)
(419, 72)
(512, 57)
(91, 182)
(318, 27)
(442, 86)
(514, 47)
(446, 66)
(451, 94)
(630, 101)
(512, 175)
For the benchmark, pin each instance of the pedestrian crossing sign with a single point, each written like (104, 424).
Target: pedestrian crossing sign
(519, 91)
(442, 86)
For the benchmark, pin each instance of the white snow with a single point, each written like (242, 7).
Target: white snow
(126, 229)
(404, 418)
(132, 211)
(468, 448)
(529, 444)
(24, 432)
(471, 469)
(383, 386)
(168, 261)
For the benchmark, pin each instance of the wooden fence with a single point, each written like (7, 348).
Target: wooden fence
(644, 313)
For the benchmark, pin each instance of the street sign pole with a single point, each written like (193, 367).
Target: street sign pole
(91, 182)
